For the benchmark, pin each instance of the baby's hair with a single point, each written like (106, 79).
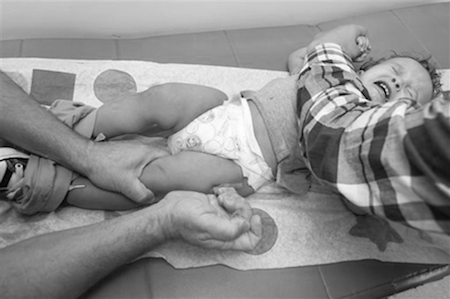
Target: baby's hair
(426, 63)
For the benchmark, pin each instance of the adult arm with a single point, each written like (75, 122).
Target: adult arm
(389, 160)
(65, 264)
(114, 166)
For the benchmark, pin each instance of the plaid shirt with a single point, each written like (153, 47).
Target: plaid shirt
(391, 160)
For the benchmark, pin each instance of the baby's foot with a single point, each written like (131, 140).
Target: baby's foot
(225, 192)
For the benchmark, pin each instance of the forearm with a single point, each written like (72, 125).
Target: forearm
(326, 66)
(46, 136)
(346, 37)
(65, 264)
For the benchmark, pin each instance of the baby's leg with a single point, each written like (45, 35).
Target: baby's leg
(158, 111)
(94, 198)
(187, 170)
(192, 171)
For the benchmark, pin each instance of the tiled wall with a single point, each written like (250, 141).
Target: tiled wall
(421, 29)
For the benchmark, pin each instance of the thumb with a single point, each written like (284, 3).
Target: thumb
(364, 48)
(138, 192)
(256, 226)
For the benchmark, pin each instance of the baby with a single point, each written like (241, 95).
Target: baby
(245, 140)
(226, 145)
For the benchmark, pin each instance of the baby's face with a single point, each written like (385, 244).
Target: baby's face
(398, 78)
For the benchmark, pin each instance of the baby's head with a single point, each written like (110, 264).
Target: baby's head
(390, 79)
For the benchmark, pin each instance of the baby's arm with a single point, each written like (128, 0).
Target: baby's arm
(296, 60)
(347, 37)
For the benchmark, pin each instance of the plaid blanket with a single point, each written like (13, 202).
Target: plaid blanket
(391, 160)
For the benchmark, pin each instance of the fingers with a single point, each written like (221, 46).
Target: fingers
(154, 148)
(238, 211)
(224, 230)
(229, 185)
(224, 190)
(248, 226)
(362, 41)
(214, 201)
(137, 192)
(357, 45)
(255, 235)
(232, 202)
(345, 36)
(135, 189)
(256, 227)
(246, 235)
(224, 221)
(364, 47)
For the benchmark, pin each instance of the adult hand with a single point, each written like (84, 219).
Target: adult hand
(114, 166)
(347, 37)
(117, 165)
(223, 221)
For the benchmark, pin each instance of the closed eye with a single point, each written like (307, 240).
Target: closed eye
(398, 68)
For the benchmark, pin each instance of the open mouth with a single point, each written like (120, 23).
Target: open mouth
(384, 88)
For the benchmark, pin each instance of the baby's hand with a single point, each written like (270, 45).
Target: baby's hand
(364, 46)
(345, 36)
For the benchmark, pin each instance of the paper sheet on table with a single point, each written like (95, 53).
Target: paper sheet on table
(313, 229)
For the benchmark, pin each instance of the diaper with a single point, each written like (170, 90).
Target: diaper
(226, 131)
(78, 116)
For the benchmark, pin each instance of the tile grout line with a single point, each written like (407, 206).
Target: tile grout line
(21, 48)
(116, 48)
(232, 49)
(324, 282)
(415, 36)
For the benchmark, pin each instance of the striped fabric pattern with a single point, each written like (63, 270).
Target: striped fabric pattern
(391, 160)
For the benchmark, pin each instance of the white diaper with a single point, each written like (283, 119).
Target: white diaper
(226, 131)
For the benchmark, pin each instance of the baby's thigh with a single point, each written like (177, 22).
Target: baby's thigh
(190, 171)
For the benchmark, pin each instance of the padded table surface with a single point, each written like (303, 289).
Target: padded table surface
(406, 29)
